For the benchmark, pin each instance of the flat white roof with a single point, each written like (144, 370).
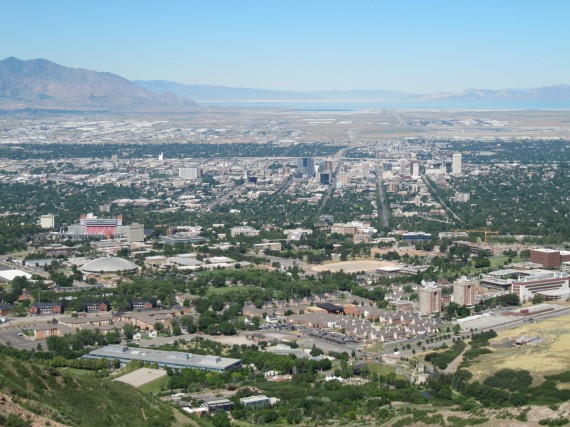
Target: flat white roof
(172, 359)
(555, 292)
(10, 275)
(389, 268)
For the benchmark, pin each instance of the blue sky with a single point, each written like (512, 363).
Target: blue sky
(413, 46)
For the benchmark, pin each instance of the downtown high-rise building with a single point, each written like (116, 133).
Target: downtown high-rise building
(403, 164)
(306, 166)
(456, 165)
(415, 169)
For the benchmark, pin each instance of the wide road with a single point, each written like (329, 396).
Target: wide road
(332, 186)
(435, 196)
(381, 198)
(284, 187)
(222, 199)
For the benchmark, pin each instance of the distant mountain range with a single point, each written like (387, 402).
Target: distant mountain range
(223, 93)
(39, 83)
(551, 93)
(42, 84)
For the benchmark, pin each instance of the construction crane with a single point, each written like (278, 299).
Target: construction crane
(486, 232)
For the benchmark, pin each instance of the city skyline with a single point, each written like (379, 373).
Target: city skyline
(415, 47)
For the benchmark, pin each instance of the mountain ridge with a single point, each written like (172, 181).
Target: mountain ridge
(228, 93)
(559, 92)
(41, 83)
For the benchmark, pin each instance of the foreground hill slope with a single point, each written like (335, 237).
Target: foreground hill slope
(72, 400)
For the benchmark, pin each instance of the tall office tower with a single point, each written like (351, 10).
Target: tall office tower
(325, 178)
(328, 165)
(161, 157)
(464, 292)
(306, 166)
(430, 300)
(456, 165)
(415, 169)
(403, 166)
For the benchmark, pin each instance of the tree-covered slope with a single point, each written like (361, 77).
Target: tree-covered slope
(78, 400)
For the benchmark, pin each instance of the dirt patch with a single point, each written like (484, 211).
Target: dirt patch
(352, 266)
(9, 407)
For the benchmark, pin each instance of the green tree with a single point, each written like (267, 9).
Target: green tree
(220, 419)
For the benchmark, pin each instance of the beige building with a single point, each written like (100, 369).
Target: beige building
(429, 300)
(246, 230)
(47, 221)
(464, 292)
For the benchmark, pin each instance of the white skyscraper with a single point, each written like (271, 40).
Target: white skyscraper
(456, 166)
(415, 169)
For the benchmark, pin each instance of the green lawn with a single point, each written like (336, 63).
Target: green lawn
(156, 385)
(225, 290)
(497, 262)
(378, 347)
(77, 372)
(380, 368)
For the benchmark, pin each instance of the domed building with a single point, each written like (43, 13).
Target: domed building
(106, 265)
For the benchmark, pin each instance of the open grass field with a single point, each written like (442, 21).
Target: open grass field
(225, 290)
(155, 386)
(548, 357)
(381, 369)
(77, 372)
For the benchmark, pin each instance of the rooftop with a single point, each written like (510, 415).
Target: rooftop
(173, 359)
(109, 265)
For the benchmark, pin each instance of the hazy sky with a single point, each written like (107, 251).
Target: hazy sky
(414, 46)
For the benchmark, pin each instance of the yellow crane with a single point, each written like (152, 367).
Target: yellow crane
(486, 232)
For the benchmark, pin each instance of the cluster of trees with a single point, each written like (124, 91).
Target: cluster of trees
(57, 151)
(443, 358)
(524, 201)
(80, 363)
(500, 300)
(350, 205)
(72, 346)
(16, 230)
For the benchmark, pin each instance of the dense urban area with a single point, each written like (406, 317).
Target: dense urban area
(285, 267)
